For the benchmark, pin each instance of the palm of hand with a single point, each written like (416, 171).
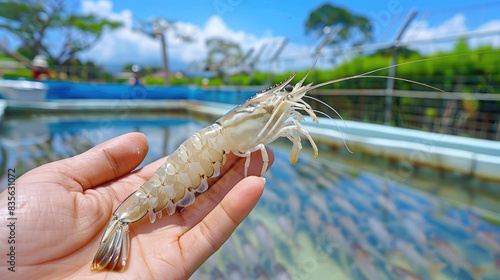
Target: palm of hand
(62, 213)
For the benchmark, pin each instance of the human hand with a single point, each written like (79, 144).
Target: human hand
(63, 207)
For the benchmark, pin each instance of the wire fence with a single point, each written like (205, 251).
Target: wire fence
(470, 105)
(417, 110)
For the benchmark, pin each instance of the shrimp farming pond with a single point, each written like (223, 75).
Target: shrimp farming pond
(340, 216)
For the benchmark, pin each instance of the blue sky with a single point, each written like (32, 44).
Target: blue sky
(257, 22)
(286, 18)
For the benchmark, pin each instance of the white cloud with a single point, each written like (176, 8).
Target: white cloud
(100, 8)
(491, 40)
(122, 45)
(125, 45)
(420, 29)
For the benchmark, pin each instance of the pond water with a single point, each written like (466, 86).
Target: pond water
(318, 219)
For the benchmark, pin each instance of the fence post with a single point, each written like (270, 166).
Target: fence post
(392, 70)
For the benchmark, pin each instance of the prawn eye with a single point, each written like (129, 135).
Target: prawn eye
(288, 88)
(288, 97)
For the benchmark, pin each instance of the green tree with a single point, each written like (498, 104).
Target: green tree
(355, 30)
(36, 23)
(402, 50)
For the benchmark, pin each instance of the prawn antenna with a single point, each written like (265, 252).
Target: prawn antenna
(338, 128)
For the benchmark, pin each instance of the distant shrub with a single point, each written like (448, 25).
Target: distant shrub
(18, 73)
(154, 81)
(182, 81)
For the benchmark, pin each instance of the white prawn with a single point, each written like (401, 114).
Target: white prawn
(268, 115)
(247, 128)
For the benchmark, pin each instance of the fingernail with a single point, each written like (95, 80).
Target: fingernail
(263, 179)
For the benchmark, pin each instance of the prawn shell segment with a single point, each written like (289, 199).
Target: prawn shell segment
(185, 172)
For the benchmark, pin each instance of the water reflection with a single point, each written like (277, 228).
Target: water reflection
(316, 220)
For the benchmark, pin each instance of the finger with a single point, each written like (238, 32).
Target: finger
(209, 235)
(100, 164)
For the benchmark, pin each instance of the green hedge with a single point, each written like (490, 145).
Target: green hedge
(18, 73)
